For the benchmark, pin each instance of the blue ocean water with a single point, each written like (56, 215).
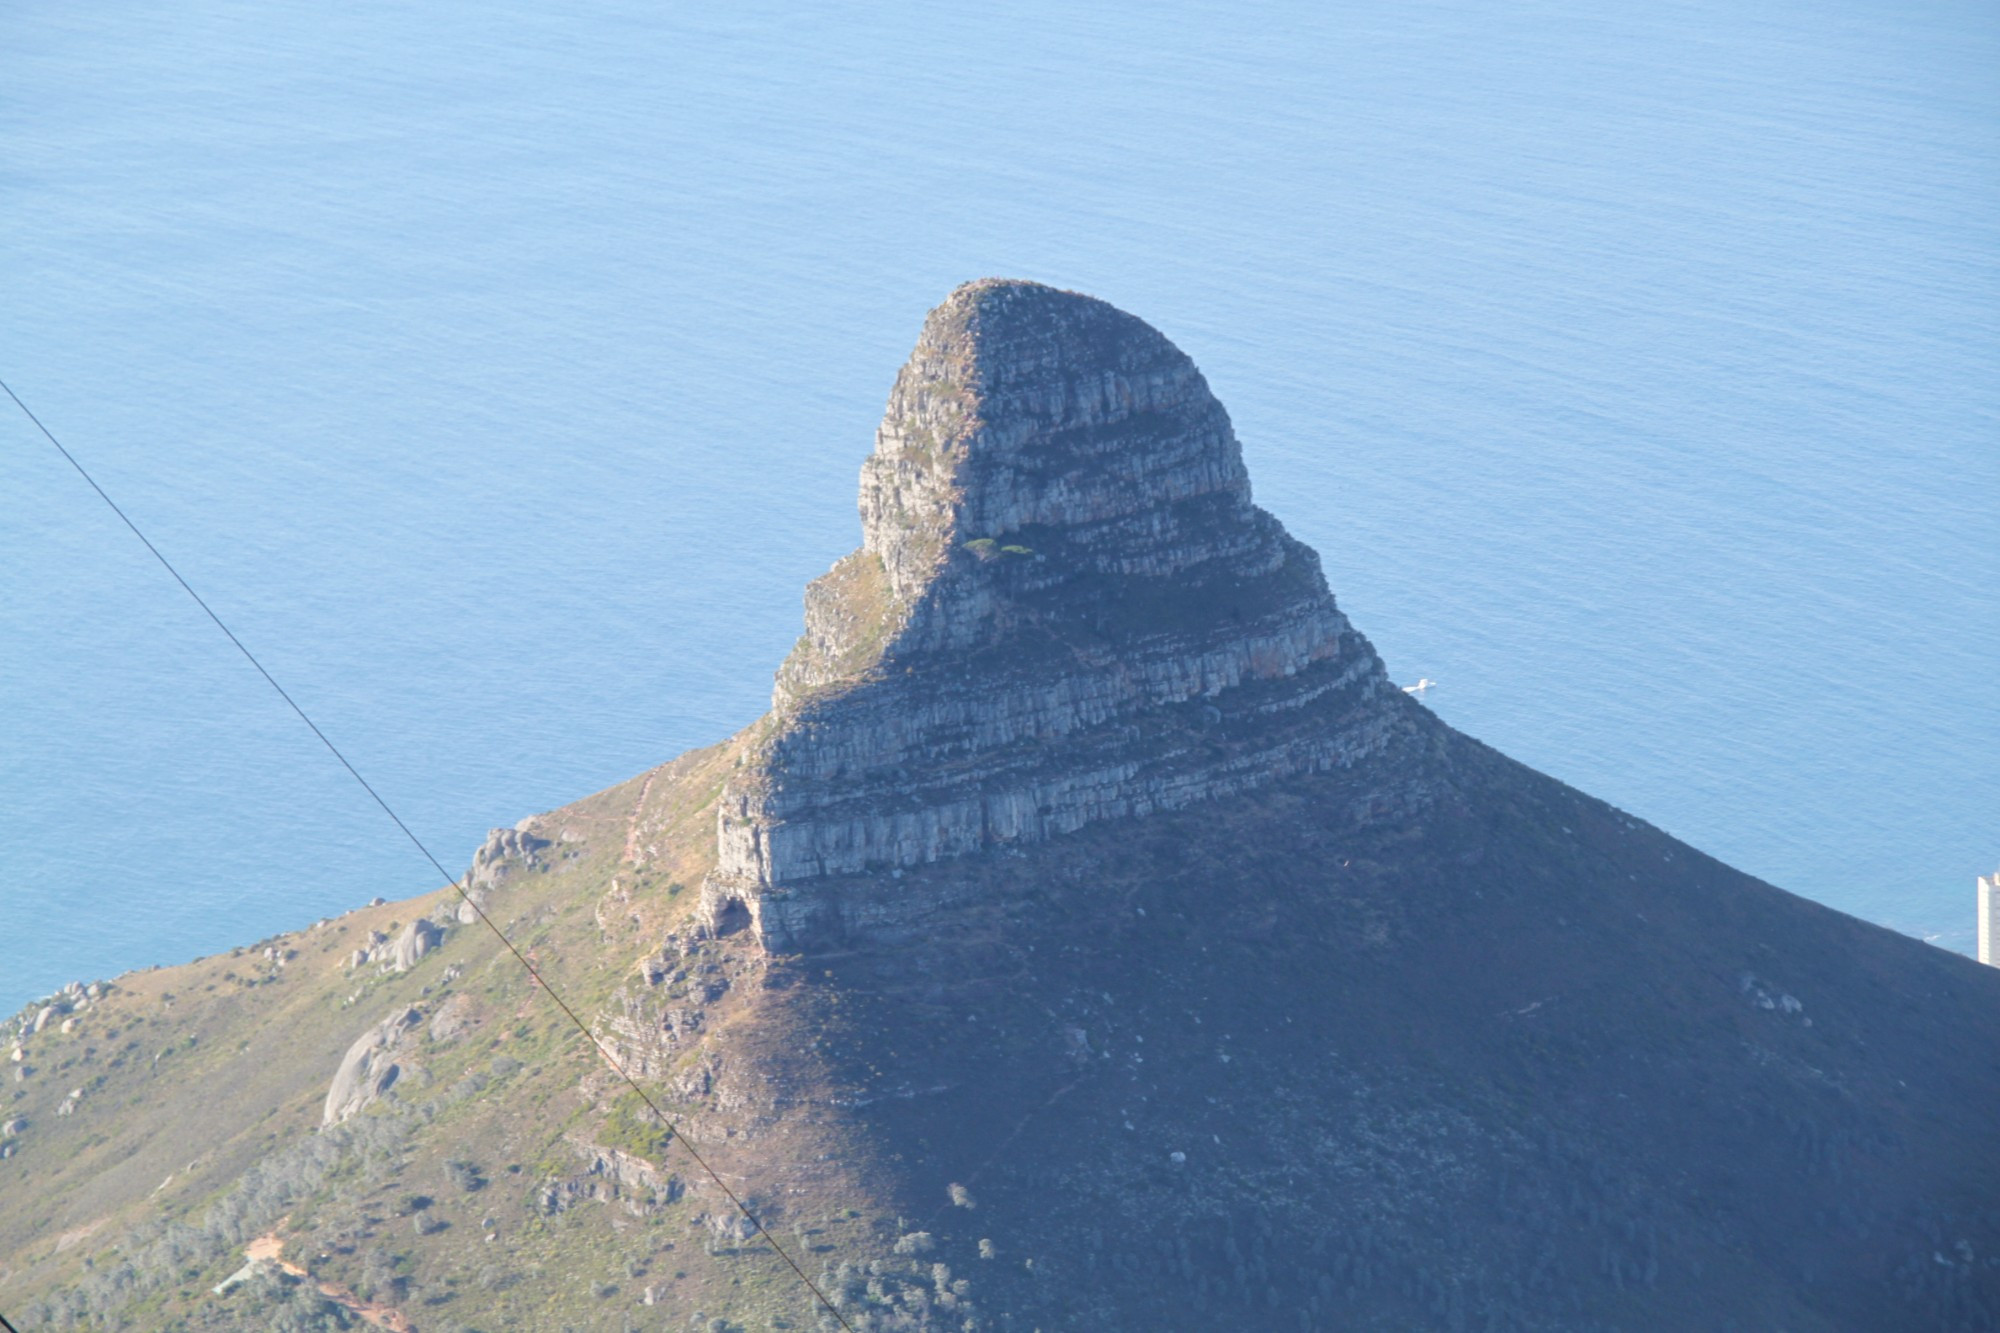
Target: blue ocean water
(501, 372)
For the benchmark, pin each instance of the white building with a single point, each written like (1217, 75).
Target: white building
(1989, 918)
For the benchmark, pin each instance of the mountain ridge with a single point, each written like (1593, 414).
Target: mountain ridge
(1392, 1032)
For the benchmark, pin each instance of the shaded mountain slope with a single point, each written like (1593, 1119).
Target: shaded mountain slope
(1523, 1064)
(1090, 938)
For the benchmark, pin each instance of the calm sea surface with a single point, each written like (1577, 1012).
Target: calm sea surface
(502, 371)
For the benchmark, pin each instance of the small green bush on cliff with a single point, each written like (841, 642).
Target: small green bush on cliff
(632, 1127)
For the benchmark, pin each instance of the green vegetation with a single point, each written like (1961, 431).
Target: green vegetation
(466, 1194)
(855, 595)
(632, 1127)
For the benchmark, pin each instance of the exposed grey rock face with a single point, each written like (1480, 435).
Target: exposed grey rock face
(1065, 609)
(418, 938)
(609, 1175)
(453, 1019)
(368, 1069)
(505, 851)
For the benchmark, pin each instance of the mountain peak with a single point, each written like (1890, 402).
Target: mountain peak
(1065, 609)
(1240, 991)
(1025, 410)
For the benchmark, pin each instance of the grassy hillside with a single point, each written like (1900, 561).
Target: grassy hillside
(1299, 1060)
(502, 1181)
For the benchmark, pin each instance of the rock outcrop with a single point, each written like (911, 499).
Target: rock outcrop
(609, 1175)
(369, 1068)
(504, 851)
(1065, 609)
(417, 939)
(454, 1018)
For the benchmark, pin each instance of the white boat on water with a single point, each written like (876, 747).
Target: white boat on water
(1423, 683)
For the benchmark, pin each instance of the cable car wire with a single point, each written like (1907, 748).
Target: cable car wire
(465, 896)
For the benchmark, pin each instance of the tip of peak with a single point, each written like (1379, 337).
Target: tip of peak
(982, 285)
(988, 291)
(989, 316)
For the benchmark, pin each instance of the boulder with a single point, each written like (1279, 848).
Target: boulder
(368, 1069)
(418, 938)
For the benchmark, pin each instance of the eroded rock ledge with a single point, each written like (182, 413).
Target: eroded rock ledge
(1065, 609)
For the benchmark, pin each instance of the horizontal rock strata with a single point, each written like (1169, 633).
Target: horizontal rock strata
(1065, 609)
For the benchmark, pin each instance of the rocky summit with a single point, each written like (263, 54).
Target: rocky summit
(1090, 939)
(1065, 609)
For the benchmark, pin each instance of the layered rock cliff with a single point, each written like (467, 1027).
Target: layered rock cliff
(1196, 979)
(1065, 609)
